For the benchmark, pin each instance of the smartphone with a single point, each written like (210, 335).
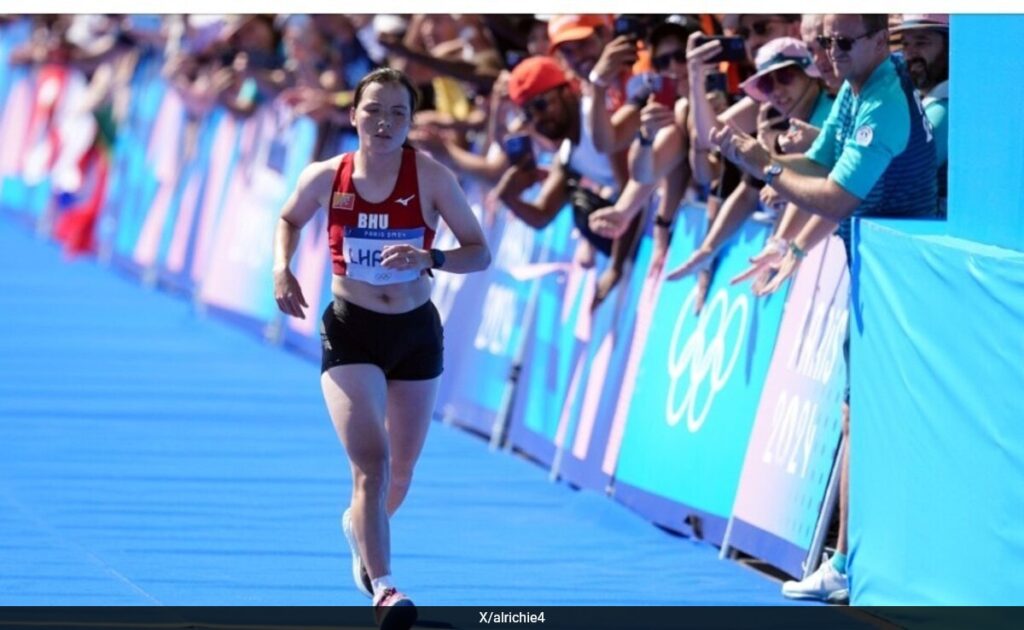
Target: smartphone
(518, 147)
(629, 26)
(733, 48)
(665, 91)
(716, 82)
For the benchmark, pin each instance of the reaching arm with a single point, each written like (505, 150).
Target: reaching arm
(612, 133)
(802, 181)
(814, 231)
(479, 75)
(552, 196)
(649, 163)
(806, 183)
(488, 167)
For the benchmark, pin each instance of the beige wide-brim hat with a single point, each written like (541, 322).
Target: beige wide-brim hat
(918, 21)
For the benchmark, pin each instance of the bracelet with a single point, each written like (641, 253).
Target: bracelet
(662, 222)
(798, 253)
(644, 140)
(595, 79)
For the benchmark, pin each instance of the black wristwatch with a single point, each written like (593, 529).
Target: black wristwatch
(436, 259)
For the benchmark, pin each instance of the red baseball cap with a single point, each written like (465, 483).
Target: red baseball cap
(534, 76)
(570, 28)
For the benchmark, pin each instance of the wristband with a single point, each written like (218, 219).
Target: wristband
(662, 222)
(798, 253)
(595, 79)
(644, 140)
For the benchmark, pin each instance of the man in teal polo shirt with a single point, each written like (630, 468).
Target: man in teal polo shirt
(875, 156)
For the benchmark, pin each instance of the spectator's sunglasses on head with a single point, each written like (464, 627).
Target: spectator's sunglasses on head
(844, 44)
(759, 28)
(661, 62)
(784, 76)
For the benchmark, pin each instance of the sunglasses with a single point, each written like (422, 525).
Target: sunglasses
(661, 62)
(844, 44)
(535, 106)
(759, 28)
(782, 76)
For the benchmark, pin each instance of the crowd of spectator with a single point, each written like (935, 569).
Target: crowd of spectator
(619, 119)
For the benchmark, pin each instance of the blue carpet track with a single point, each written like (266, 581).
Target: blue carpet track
(150, 456)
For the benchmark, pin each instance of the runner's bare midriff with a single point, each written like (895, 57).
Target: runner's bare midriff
(389, 298)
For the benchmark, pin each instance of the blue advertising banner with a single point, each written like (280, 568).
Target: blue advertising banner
(12, 35)
(555, 341)
(698, 388)
(796, 435)
(133, 180)
(14, 121)
(620, 327)
(176, 248)
(239, 281)
(482, 313)
(170, 154)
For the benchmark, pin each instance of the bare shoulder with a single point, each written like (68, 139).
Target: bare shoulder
(316, 172)
(317, 179)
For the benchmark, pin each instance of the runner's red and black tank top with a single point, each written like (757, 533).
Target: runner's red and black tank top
(358, 230)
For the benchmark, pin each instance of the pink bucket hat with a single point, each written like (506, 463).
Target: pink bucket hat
(779, 53)
(915, 21)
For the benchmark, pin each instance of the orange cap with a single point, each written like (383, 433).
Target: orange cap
(533, 77)
(569, 28)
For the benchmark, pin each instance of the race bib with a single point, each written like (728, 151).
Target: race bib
(364, 250)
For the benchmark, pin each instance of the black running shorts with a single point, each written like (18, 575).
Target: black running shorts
(406, 346)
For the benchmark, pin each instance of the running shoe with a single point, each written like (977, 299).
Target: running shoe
(359, 574)
(394, 610)
(825, 584)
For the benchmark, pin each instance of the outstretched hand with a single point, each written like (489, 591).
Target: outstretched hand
(767, 267)
(783, 270)
(699, 260)
(609, 221)
(742, 149)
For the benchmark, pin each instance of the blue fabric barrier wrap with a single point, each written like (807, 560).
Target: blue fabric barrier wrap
(937, 444)
(987, 165)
